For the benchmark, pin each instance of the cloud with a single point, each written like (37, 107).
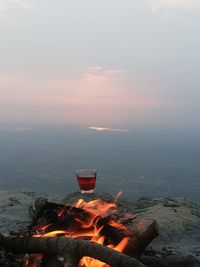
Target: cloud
(98, 72)
(174, 4)
(5, 4)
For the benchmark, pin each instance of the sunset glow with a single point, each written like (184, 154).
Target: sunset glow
(102, 129)
(51, 71)
(99, 95)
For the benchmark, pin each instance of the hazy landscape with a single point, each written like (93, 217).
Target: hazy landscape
(129, 67)
(140, 163)
(106, 85)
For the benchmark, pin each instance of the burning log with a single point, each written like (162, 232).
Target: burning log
(71, 249)
(140, 241)
(47, 213)
(83, 232)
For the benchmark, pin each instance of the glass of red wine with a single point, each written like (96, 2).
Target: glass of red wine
(86, 180)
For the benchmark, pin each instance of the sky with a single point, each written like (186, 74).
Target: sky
(103, 63)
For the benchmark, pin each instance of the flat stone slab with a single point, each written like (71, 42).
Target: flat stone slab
(178, 219)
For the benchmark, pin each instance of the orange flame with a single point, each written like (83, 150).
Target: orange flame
(97, 207)
(89, 228)
(117, 197)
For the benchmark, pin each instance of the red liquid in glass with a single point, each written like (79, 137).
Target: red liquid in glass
(86, 184)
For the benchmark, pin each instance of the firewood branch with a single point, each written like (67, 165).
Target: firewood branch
(138, 243)
(65, 246)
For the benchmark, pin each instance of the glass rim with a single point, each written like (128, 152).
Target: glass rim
(85, 172)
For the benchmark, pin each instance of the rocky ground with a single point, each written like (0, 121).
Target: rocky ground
(178, 220)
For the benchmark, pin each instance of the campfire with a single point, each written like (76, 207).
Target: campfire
(87, 234)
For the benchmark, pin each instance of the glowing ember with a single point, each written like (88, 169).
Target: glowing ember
(32, 260)
(88, 222)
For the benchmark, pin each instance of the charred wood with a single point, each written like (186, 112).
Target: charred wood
(139, 242)
(68, 246)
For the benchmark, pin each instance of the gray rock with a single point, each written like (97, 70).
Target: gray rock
(179, 260)
(178, 218)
